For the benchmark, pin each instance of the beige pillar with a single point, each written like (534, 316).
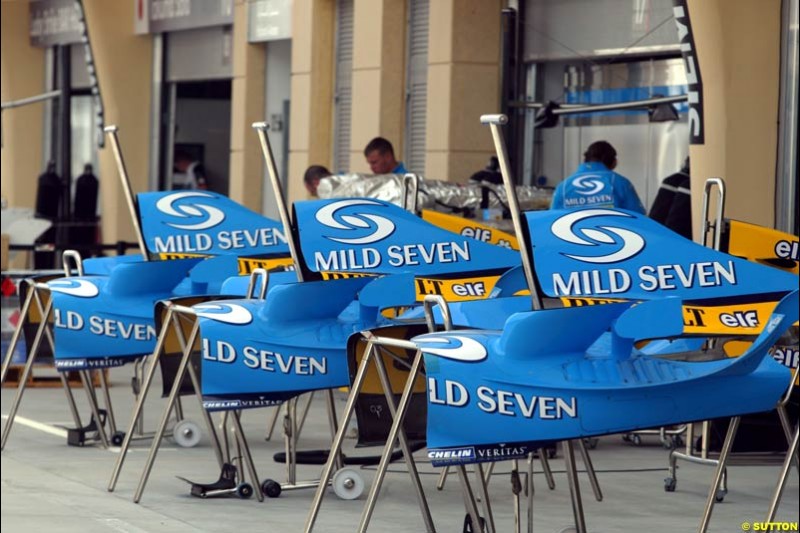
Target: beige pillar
(463, 84)
(379, 36)
(247, 106)
(22, 67)
(312, 89)
(738, 49)
(124, 71)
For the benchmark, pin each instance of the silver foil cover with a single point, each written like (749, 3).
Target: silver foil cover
(434, 194)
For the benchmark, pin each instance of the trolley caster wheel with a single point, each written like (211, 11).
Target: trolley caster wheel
(186, 434)
(117, 438)
(468, 525)
(244, 491)
(626, 437)
(678, 441)
(347, 484)
(551, 453)
(720, 495)
(591, 442)
(637, 440)
(669, 444)
(669, 484)
(271, 488)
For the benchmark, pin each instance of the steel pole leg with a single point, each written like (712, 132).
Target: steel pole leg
(331, 407)
(271, 425)
(483, 489)
(787, 430)
(530, 493)
(212, 431)
(516, 489)
(196, 385)
(574, 487)
(139, 377)
(223, 427)
(587, 461)
(337, 441)
(442, 478)
(469, 499)
(305, 414)
(112, 422)
(289, 431)
(144, 388)
(246, 455)
(73, 408)
(17, 333)
(26, 373)
(548, 472)
(787, 467)
(718, 474)
(88, 385)
(176, 387)
(400, 415)
(407, 452)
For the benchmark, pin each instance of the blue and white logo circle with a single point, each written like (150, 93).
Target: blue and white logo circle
(615, 244)
(588, 185)
(366, 228)
(200, 216)
(451, 346)
(74, 287)
(224, 312)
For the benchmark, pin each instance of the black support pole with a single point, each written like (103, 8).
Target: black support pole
(509, 78)
(64, 160)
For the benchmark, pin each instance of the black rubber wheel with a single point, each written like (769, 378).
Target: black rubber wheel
(626, 437)
(117, 438)
(637, 440)
(669, 484)
(244, 491)
(669, 444)
(271, 488)
(720, 496)
(468, 525)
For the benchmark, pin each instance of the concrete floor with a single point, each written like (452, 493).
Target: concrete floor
(48, 486)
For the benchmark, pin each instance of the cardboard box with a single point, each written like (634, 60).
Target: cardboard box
(4, 252)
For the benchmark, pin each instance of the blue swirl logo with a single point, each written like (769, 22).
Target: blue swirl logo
(204, 216)
(618, 243)
(367, 228)
(588, 185)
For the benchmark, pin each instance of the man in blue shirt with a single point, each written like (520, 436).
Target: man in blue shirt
(595, 184)
(380, 157)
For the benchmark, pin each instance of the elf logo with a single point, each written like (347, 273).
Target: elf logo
(740, 319)
(788, 250)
